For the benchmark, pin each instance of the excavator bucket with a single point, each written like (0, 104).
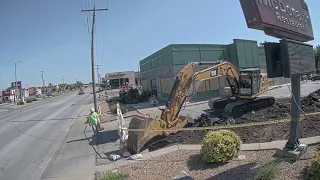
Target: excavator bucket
(150, 128)
(137, 139)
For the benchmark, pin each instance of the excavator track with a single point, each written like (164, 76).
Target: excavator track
(234, 107)
(245, 105)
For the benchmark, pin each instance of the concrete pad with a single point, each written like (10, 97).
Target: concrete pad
(71, 167)
(195, 147)
(106, 167)
(82, 149)
(145, 156)
(77, 177)
(250, 147)
(273, 145)
(122, 162)
(310, 140)
(164, 151)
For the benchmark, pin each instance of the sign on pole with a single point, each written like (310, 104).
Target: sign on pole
(297, 58)
(290, 21)
(279, 18)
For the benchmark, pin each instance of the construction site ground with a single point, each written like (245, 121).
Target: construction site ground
(246, 166)
(109, 136)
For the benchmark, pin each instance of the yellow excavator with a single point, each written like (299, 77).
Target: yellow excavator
(245, 86)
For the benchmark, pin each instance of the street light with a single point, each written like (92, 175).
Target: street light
(15, 84)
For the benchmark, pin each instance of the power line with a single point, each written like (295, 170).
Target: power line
(86, 25)
(104, 31)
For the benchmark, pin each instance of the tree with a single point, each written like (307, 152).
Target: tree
(79, 84)
(262, 44)
(317, 56)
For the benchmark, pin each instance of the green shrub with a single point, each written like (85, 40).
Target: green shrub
(144, 96)
(220, 146)
(20, 103)
(269, 171)
(34, 99)
(314, 170)
(131, 97)
(28, 100)
(114, 176)
(113, 108)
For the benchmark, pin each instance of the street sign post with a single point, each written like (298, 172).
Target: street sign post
(297, 58)
(290, 21)
(279, 18)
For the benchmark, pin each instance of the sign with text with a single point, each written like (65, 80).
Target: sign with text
(297, 58)
(115, 75)
(18, 85)
(279, 18)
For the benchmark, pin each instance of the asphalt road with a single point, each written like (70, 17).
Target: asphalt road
(31, 135)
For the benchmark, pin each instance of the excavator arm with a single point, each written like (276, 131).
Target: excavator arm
(169, 117)
(187, 76)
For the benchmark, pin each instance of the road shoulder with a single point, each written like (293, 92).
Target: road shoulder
(76, 159)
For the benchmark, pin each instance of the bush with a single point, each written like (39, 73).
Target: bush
(131, 97)
(114, 100)
(144, 96)
(314, 171)
(220, 146)
(20, 103)
(28, 100)
(114, 176)
(269, 171)
(113, 108)
(34, 99)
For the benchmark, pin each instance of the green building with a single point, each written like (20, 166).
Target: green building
(158, 70)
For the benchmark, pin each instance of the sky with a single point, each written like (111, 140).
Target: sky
(53, 35)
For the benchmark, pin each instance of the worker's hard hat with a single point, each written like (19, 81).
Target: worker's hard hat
(92, 109)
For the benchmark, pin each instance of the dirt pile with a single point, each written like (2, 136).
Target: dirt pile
(281, 109)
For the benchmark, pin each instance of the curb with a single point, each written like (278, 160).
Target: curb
(196, 147)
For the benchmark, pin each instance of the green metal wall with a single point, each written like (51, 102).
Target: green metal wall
(185, 53)
(158, 59)
(241, 53)
(247, 53)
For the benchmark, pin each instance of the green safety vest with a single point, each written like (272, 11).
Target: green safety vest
(94, 118)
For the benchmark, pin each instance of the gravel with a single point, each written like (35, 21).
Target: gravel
(169, 165)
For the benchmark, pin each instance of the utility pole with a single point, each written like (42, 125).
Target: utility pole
(15, 84)
(92, 53)
(16, 81)
(98, 75)
(63, 86)
(42, 80)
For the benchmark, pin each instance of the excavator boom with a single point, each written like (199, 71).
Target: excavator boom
(169, 116)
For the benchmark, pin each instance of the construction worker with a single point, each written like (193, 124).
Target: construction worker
(94, 120)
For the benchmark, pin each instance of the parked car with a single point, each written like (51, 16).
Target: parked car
(81, 91)
(315, 76)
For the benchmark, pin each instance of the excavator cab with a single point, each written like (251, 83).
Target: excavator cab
(249, 82)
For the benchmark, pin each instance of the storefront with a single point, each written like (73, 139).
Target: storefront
(116, 79)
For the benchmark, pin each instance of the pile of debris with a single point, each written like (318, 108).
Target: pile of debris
(280, 110)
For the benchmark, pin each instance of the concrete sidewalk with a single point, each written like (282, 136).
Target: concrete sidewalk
(76, 159)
